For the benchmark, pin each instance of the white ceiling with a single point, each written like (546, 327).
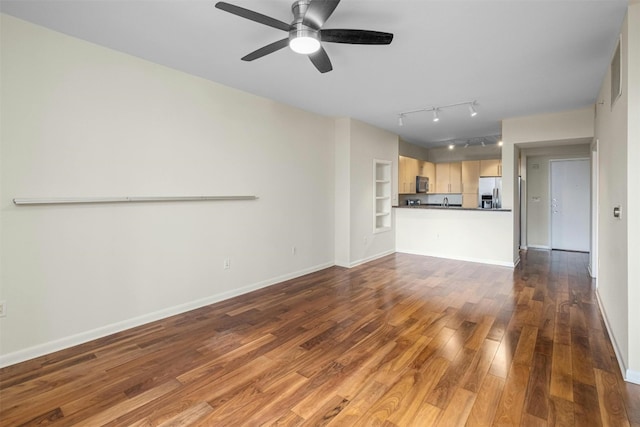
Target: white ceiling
(514, 57)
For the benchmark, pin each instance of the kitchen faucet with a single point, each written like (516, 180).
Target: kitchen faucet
(445, 202)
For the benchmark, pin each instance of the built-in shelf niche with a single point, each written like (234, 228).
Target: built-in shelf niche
(382, 195)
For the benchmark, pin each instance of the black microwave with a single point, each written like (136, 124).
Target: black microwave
(422, 184)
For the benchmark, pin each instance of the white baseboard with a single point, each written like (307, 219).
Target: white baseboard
(547, 248)
(632, 376)
(516, 262)
(370, 258)
(83, 337)
(478, 260)
(627, 374)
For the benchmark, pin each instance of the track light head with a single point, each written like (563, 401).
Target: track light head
(435, 115)
(466, 145)
(472, 110)
(482, 142)
(400, 121)
(452, 146)
(500, 143)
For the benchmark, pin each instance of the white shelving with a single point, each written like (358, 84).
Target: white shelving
(382, 195)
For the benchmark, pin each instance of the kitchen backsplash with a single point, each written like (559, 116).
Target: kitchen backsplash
(454, 199)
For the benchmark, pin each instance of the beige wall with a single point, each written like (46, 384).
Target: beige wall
(633, 178)
(411, 150)
(536, 192)
(566, 125)
(536, 132)
(80, 120)
(359, 144)
(617, 135)
(473, 152)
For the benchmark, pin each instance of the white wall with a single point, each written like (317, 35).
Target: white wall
(618, 132)
(358, 144)
(81, 120)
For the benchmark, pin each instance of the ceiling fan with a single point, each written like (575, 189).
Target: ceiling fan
(306, 32)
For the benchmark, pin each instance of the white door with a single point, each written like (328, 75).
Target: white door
(570, 204)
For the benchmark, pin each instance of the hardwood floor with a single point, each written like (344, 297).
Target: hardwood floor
(401, 341)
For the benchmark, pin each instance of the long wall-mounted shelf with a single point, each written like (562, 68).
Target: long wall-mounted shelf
(129, 199)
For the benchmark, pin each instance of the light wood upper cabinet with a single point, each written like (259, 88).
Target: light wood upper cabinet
(470, 176)
(455, 177)
(428, 169)
(449, 177)
(408, 169)
(491, 167)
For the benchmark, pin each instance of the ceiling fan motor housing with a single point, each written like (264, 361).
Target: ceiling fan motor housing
(302, 38)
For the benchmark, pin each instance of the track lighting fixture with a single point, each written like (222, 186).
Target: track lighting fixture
(436, 110)
(491, 141)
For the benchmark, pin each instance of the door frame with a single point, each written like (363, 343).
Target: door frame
(551, 161)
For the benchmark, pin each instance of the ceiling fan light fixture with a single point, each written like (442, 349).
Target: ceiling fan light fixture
(304, 45)
(304, 41)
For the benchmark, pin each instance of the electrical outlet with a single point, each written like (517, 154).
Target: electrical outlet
(3, 308)
(293, 250)
(227, 263)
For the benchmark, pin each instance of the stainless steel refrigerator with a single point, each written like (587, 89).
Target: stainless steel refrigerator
(490, 187)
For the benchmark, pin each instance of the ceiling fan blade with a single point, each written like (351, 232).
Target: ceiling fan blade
(253, 16)
(265, 50)
(355, 36)
(321, 60)
(318, 12)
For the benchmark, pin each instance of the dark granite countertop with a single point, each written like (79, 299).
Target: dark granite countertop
(457, 208)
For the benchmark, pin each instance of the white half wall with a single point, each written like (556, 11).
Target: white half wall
(466, 235)
(80, 120)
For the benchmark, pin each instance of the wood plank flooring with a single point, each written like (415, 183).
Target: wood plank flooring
(401, 341)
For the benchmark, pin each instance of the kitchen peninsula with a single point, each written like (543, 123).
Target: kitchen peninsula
(464, 230)
(469, 234)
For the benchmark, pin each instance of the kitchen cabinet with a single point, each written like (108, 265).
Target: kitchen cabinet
(449, 178)
(428, 169)
(408, 169)
(470, 178)
(491, 167)
(470, 200)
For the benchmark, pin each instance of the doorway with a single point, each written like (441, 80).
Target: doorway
(570, 204)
